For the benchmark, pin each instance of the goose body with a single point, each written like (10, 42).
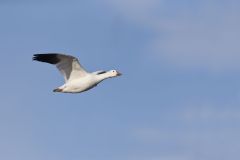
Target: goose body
(77, 79)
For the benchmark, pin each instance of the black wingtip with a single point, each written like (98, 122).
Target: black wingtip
(48, 58)
(34, 58)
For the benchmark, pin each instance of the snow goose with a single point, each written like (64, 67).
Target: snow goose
(77, 79)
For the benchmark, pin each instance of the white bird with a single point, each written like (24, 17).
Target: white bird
(77, 79)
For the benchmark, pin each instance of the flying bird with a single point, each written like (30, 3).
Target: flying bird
(77, 79)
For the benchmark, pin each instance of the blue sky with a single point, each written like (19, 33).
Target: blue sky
(178, 98)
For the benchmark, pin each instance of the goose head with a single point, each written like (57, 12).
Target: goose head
(113, 73)
(108, 74)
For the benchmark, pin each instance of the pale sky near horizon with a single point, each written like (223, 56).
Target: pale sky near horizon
(178, 98)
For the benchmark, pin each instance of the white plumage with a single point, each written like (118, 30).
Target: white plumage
(77, 79)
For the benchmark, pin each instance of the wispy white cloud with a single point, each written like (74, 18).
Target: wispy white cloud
(200, 132)
(191, 145)
(137, 11)
(204, 35)
(208, 40)
(209, 113)
(160, 157)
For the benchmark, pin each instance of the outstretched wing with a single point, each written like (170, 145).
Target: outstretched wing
(68, 65)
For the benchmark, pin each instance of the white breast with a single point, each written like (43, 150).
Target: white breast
(80, 85)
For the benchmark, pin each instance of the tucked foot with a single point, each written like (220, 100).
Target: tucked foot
(57, 90)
